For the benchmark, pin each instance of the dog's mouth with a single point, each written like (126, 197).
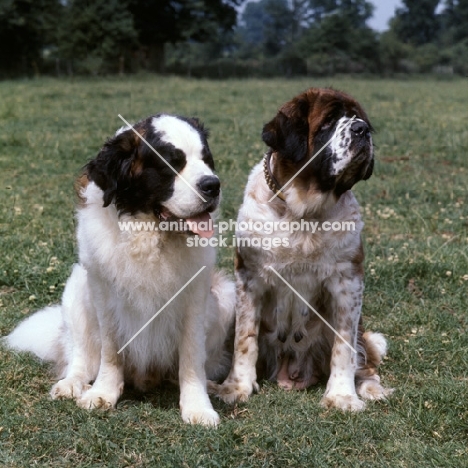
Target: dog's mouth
(200, 224)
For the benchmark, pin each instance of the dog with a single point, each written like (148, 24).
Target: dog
(298, 309)
(149, 282)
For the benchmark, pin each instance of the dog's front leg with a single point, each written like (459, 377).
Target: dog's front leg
(109, 383)
(81, 338)
(195, 405)
(346, 308)
(242, 379)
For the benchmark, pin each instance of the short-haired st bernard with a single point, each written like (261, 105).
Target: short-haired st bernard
(125, 277)
(277, 335)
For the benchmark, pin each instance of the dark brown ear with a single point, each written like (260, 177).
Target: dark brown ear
(287, 134)
(113, 165)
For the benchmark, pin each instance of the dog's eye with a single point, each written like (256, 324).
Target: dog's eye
(327, 125)
(178, 156)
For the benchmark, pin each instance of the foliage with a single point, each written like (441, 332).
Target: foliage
(99, 36)
(417, 21)
(457, 57)
(95, 35)
(357, 12)
(26, 26)
(320, 37)
(455, 19)
(172, 21)
(336, 35)
(221, 38)
(267, 26)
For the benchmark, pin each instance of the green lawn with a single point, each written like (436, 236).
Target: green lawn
(416, 236)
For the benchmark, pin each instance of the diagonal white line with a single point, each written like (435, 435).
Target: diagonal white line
(161, 309)
(310, 160)
(312, 309)
(156, 152)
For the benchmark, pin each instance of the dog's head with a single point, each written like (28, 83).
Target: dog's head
(162, 166)
(298, 137)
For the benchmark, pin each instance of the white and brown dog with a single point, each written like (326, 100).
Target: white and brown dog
(125, 277)
(277, 334)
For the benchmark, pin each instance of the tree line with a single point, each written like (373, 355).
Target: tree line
(222, 38)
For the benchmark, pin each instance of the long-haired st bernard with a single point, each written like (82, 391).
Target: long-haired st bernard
(278, 335)
(125, 277)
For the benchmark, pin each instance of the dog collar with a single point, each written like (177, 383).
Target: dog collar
(271, 181)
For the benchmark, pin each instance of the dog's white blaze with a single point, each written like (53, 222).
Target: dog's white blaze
(339, 146)
(184, 202)
(186, 138)
(180, 134)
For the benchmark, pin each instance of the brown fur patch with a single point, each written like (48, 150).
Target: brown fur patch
(238, 261)
(81, 182)
(312, 107)
(137, 167)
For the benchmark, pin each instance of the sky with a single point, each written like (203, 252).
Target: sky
(384, 10)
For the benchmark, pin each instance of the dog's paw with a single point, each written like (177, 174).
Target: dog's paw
(68, 388)
(343, 402)
(232, 391)
(204, 416)
(372, 390)
(95, 398)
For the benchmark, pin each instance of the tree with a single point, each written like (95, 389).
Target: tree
(170, 21)
(339, 40)
(455, 19)
(302, 17)
(95, 35)
(253, 21)
(26, 27)
(357, 12)
(392, 52)
(267, 26)
(417, 22)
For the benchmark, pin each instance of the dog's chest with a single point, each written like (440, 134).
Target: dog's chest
(139, 264)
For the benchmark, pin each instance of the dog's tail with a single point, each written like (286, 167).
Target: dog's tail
(38, 334)
(376, 347)
(44, 332)
(367, 379)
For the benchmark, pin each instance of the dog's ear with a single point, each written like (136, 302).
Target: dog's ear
(113, 166)
(287, 134)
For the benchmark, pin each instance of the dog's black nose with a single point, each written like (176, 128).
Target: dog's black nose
(209, 186)
(360, 128)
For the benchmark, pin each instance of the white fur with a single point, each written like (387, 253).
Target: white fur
(122, 280)
(340, 144)
(45, 325)
(180, 134)
(378, 342)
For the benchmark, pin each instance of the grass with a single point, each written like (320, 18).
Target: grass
(416, 236)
